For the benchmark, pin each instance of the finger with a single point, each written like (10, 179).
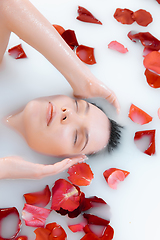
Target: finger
(110, 96)
(63, 165)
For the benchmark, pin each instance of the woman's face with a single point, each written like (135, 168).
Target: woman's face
(59, 125)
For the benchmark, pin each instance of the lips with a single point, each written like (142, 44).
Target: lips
(51, 112)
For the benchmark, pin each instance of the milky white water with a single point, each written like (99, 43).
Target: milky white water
(135, 205)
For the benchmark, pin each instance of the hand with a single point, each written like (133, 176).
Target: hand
(95, 88)
(17, 168)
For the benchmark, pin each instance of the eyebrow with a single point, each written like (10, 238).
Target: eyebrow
(86, 131)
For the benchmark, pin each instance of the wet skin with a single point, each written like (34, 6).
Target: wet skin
(61, 126)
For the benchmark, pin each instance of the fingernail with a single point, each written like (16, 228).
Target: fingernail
(83, 159)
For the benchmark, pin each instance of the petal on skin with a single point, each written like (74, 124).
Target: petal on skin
(70, 38)
(152, 61)
(40, 199)
(137, 115)
(65, 195)
(114, 175)
(80, 174)
(59, 28)
(108, 233)
(142, 17)
(147, 40)
(86, 16)
(150, 149)
(17, 52)
(92, 219)
(117, 46)
(124, 16)
(86, 54)
(153, 79)
(5, 212)
(35, 216)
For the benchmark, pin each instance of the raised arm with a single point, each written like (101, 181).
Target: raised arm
(22, 18)
(15, 167)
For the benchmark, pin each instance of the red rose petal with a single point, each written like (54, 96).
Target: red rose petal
(147, 40)
(80, 174)
(5, 212)
(70, 38)
(137, 115)
(59, 28)
(42, 234)
(158, 1)
(117, 46)
(92, 219)
(159, 113)
(124, 16)
(152, 61)
(150, 150)
(108, 233)
(76, 227)
(142, 17)
(35, 216)
(22, 238)
(86, 16)
(86, 54)
(90, 236)
(40, 198)
(114, 175)
(65, 195)
(57, 232)
(153, 79)
(17, 52)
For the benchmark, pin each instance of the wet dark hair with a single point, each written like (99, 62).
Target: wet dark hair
(115, 133)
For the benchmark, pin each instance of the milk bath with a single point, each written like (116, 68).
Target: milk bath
(135, 204)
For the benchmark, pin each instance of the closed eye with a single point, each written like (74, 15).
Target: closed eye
(76, 105)
(75, 140)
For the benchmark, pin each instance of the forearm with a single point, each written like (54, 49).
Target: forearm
(22, 18)
(17, 168)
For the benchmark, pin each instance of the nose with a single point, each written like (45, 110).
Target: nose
(68, 115)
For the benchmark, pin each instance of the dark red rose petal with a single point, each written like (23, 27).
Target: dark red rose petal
(17, 52)
(124, 16)
(40, 198)
(80, 174)
(158, 1)
(142, 17)
(92, 219)
(137, 115)
(147, 40)
(70, 37)
(152, 61)
(5, 212)
(117, 46)
(86, 16)
(150, 150)
(86, 54)
(153, 79)
(65, 195)
(114, 175)
(59, 28)
(35, 216)
(108, 233)
(22, 238)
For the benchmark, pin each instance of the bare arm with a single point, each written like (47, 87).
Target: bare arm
(16, 167)
(22, 18)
